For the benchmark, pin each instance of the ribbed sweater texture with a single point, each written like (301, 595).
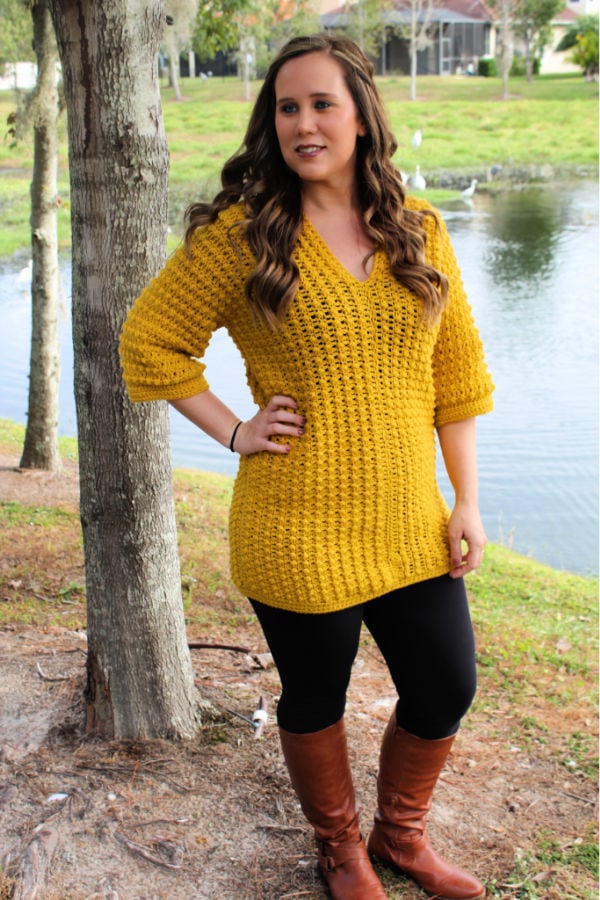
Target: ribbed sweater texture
(354, 510)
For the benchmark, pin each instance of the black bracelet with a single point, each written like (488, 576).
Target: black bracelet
(235, 430)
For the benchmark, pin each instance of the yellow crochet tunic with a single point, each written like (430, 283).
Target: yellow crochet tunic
(354, 510)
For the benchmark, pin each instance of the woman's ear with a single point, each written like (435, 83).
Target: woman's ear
(362, 129)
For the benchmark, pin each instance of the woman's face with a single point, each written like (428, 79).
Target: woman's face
(316, 120)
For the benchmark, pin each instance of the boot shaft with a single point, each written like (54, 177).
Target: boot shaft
(409, 768)
(321, 777)
(320, 774)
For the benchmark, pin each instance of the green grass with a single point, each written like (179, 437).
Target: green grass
(15, 515)
(12, 437)
(465, 123)
(537, 644)
(559, 605)
(567, 861)
(15, 210)
(537, 649)
(466, 127)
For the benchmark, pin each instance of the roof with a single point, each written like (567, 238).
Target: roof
(452, 11)
(566, 15)
(473, 9)
(401, 13)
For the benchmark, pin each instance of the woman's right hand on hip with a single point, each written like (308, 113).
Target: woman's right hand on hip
(267, 430)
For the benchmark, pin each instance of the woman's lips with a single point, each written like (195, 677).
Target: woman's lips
(308, 149)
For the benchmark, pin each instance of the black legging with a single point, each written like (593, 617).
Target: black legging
(424, 633)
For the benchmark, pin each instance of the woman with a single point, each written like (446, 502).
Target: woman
(345, 300)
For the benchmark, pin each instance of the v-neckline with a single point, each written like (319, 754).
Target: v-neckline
(337, 263)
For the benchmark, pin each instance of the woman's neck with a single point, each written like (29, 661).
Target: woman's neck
(320, 200)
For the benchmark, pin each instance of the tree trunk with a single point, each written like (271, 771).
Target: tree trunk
(140, 681)
(506, 38)
(40, 450)
(413, 51)
(173, 51)
(528, 58)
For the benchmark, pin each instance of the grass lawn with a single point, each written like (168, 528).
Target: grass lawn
(466, 127)
(537, 648)
(537, 626)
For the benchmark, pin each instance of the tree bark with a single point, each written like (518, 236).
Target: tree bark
(140, 680)
(506, 44)
(32, 879)
(528, 58)
(40, 450)
(413, 51)
(173, 51)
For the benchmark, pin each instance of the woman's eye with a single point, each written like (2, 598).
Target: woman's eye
(322, 104)
(288, 108)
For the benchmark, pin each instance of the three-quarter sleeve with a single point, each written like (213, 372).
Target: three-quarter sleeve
(463, 384)
(170, 324)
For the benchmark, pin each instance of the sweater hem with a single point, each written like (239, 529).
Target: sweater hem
(322, 606)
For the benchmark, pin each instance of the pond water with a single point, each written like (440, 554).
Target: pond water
(530, 264)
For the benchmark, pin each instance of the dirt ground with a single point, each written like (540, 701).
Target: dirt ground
(215, 817)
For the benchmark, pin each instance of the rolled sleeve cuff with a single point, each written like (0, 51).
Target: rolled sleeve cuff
(465, 410)
(140, 393)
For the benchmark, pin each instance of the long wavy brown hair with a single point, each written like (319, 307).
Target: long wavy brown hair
(258, 175)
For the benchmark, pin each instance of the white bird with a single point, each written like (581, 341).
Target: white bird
(417, 139)
(417, 181)
(24, 276)
(468, 192)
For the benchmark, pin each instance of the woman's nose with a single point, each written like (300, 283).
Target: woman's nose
(305, 123)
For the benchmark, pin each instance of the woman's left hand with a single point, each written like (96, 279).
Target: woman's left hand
(465, 528)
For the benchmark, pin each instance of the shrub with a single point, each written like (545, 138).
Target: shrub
(585, 54)
(519, 66)
(487, 67)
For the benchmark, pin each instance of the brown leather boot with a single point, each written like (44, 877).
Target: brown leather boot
(408, 771)
(320, 774)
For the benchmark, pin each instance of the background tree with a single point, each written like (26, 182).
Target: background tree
(582, 38)
(16, 45)
(139, 676)
(267, 26)
(178, 36)
(15, 34)
(532, 24)
(40, 450)
(505, 10)
(417, 32)
(225, 25)
(420, 35)
(365, 24)
(585, 54)
(216, 28)
(292, 18)
(252, 28)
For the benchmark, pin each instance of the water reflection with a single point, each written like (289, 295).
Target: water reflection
(529, 262)
(523, 235)
(530, 266)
